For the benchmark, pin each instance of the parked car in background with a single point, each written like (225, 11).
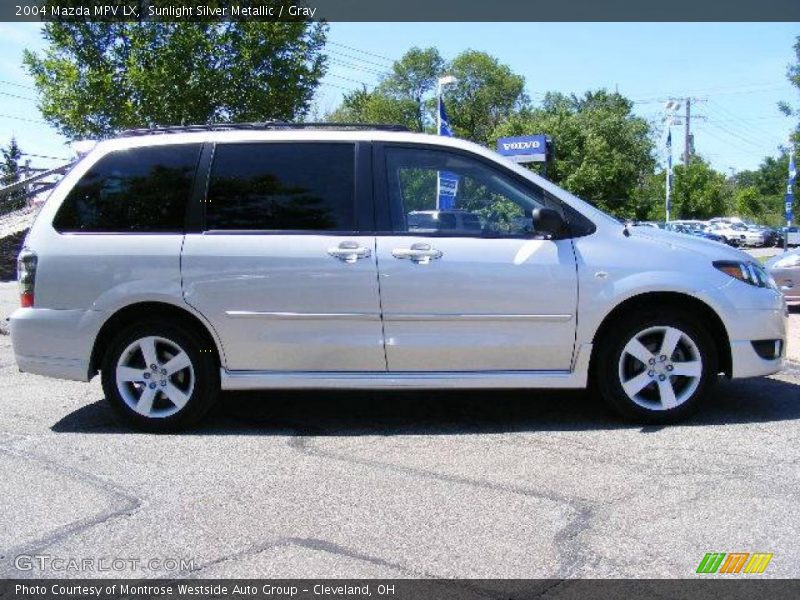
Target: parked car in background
(785, 270)
(443, 220)
(790, 234)
(771, 236)
(705, 233)
(184, 261)
(653, 224)
(693, 228)
(731, 233)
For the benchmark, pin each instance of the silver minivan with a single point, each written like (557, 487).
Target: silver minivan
(183, 261)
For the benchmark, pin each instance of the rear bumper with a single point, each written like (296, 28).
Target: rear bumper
(54, 343)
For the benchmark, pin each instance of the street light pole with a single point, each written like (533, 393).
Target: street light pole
(670, 108)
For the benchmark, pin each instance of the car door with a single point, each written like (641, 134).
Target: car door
(466, 283)
(283, 262)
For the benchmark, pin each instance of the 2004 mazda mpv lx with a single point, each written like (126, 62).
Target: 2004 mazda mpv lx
(181, 261)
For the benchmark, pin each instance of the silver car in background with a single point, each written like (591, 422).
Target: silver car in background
(785, 270)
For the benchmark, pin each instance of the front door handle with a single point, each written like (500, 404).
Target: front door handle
(421, 254)
(349, 252)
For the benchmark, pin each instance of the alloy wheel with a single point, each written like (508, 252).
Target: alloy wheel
(660, 368)
(155, 377)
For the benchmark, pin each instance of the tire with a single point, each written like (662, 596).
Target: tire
(156, 394)
(635, 379)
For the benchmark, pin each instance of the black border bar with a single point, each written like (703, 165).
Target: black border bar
(405, 11)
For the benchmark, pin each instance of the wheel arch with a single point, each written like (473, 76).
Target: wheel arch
(666, 301)
(132, 313)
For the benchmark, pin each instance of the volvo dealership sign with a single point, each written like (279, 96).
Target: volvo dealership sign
(524, 148)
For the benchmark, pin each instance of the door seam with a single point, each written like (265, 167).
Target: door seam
(380, 303)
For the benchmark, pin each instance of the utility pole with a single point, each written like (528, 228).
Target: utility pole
(688, 135)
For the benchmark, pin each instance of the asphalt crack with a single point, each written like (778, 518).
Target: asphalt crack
(572, 556)
(126, 505)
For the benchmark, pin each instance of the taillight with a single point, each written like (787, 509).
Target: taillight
(26, 276)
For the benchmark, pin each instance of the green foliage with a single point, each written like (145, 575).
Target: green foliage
(699, 192)
(414, 77)
(362, 106)
(403, 97)
(10, 173)
(793, 75)
(97, 78)
(760, 193)
(603, 153)
(485, 94)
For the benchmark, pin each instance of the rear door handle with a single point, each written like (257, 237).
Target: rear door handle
(349, 251)
(419, 253)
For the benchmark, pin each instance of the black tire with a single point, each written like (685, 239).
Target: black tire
(607, 367)
(203, 373)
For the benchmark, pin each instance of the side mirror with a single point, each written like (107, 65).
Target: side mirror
(549, 222)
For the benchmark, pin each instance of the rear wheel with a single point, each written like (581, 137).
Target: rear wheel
(656, 367)
(160, 376)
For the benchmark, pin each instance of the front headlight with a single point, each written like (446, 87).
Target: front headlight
(748, 272)
(787, 262)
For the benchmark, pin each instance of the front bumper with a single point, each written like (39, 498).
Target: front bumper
(752, 325)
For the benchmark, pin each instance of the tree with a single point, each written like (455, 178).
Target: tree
(760, 193)
(793, 75)
(414, 77)
(603, 153)
(10, 173)
(95, 79)
(485, 94)
(362, 106)
(699, 192)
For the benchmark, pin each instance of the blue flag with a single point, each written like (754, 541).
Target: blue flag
(447, 185)
(444, 121)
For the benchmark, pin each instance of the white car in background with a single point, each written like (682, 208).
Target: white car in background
(734, 226)
(733, 233)
(184, 261)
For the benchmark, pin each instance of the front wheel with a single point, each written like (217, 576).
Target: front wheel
(160, 376)
(656, 368)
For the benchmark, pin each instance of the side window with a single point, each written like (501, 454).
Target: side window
(282, 187)
(140, 190)
(437, 192)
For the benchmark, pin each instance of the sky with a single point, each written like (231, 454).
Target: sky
(736, 72)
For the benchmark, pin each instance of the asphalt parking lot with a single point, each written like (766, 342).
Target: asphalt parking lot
(483, 484)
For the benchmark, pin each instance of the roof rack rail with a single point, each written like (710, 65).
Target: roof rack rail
(266, 125)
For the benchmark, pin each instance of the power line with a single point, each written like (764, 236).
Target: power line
(44, 156)
(18, 96)
(340, 87)
(27, 87)
(729, 91)
(357, 67)
(733, 135)
(752, 130)
(359, 60)
(346, 78)
(16, 118)
(365, 52)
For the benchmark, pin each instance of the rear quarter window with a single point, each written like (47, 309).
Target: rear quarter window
(140, 190)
